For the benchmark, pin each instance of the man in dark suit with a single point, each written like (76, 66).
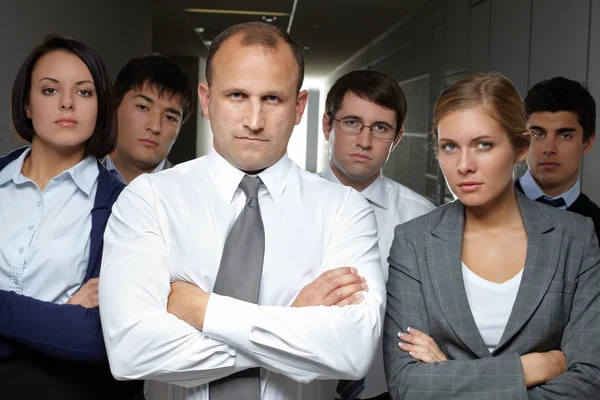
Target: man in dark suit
(154, 97)
(562, 120)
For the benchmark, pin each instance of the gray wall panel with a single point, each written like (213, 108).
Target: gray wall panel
(509, 48)
(479, 38)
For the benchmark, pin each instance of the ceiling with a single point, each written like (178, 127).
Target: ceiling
(329, 31)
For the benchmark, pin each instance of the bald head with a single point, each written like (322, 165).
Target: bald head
(252, 34)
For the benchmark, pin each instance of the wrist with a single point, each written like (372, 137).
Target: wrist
(534, 369)
(200, 310)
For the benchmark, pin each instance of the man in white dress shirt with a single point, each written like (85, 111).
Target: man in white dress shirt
(319, 312)
(363, 122)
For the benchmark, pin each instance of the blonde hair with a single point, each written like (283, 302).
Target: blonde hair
(494, 94)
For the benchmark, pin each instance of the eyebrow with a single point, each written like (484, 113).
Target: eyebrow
(360, 119)
(476, 139)
(57, 81)
(151, 101)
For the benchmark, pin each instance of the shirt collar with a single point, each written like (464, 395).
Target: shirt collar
(375, 193)
(533, 191)
(227, 178)
(13, 170)
(83, 174)
(109, 164)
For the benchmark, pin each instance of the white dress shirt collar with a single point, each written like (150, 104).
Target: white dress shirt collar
(83, 174)
(533, 191)
(375, 192)
(227, 178)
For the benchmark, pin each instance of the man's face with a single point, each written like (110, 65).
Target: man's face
(148, 126)
(359, 157)
(556, 149)
(252, 103)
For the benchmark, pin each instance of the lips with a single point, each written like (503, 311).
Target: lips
(66, 122)
(148, 142)
(360, 156)
(549, 164)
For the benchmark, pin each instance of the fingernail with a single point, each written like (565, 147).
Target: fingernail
(402, 335)
(408, 329)
(354, 271)
(412, 353)
(401, 344)
(359, 296)
(365, 287)
(363, 280)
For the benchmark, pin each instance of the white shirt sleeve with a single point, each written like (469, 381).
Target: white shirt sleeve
(314, 342)
(142, 340)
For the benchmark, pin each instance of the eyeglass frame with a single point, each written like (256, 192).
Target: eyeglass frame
(396, 131)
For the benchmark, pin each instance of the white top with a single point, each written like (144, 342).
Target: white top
(172, 225)
(45, 236)
(491, 304)
(393, 204)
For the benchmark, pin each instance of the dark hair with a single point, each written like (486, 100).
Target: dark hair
(495, 95)
(260, 33)
(104, 137)
(159, 73)
(373, 86)
(562, 94)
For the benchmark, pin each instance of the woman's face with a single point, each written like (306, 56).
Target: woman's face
(62, 101)
(476, 156)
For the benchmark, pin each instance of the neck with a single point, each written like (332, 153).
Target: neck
(45, 162)
(358, 185)
(554, 190)
(128, 169)
(499, 213)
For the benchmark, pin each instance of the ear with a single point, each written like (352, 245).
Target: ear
(301, 102)
(397, 140)
(204, 95)
(27, 111)
(327, 125)
(588, 145)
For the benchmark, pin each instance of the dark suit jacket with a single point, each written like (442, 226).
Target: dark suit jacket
(582, 205)
(557, 307)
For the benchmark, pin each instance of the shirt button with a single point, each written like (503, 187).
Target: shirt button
(20, 249)
(30, 227)
(39, 203)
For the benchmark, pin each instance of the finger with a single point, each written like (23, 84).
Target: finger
(333, 273)
(416, 337)
(420, 353)
(92, 282)
(344, 292)
(344, 284)
(354, 299)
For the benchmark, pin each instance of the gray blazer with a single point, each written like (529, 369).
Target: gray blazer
(557, 308)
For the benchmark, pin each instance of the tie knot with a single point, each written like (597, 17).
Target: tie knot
(250, 185)
(559, 202)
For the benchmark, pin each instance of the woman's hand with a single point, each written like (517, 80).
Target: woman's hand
(87, 296)
(540, 368)
(420, 346)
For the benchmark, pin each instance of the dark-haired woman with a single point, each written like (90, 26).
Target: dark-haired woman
(55, 199)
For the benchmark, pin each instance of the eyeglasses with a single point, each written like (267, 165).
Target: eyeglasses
(379, 130)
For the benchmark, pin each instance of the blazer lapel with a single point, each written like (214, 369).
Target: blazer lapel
(444, 248)
(543, 249)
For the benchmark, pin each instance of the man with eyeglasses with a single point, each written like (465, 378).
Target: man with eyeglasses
(363, 122)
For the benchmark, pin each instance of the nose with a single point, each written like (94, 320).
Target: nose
(549, 146)
(66, 103)
(254, 119)
(364, 139)
(154, 122)
(466, 163)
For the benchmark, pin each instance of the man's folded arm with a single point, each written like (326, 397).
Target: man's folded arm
(143, 341)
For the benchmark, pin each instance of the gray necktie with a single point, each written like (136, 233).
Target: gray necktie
(239, 277)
